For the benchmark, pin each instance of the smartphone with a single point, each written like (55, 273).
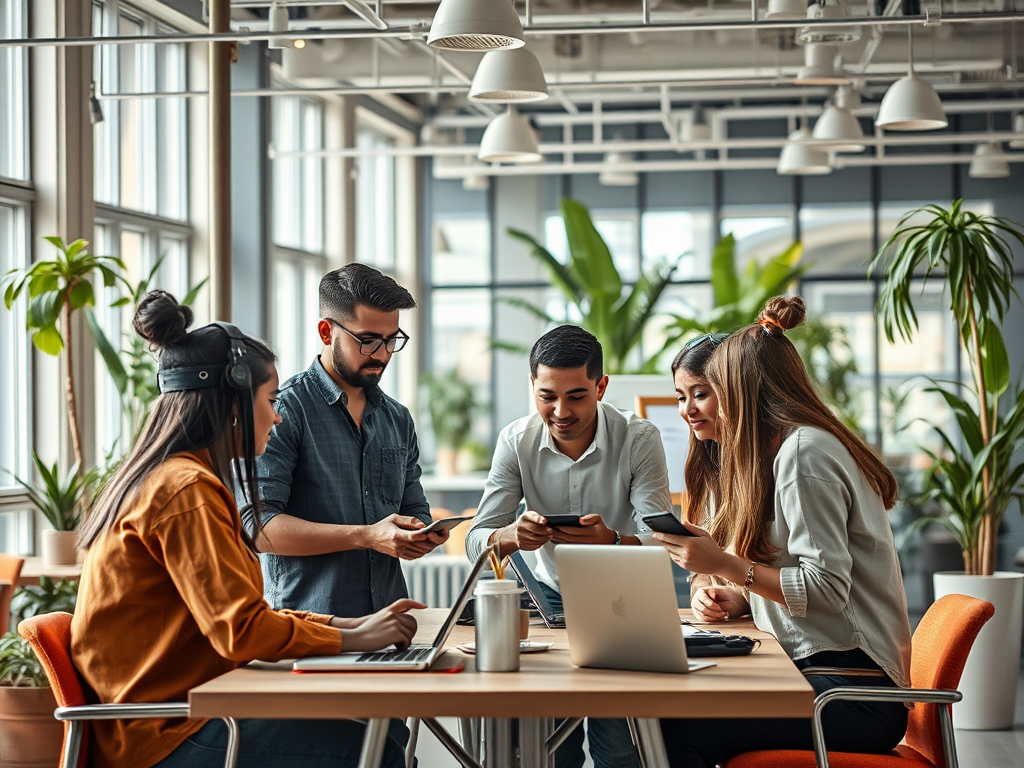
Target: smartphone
(444, 524)
(563, 521)
(666, 522)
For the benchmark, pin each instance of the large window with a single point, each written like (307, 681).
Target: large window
(297, 253)
(375, 198)
(15, 381)
(13, 92)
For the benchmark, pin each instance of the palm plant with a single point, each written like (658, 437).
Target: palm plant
(591, 283)
(61, 500)
(56, 289)
(978, 481)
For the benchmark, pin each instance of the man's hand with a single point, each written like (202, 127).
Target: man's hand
(718, 604)
(399, 536)
(591, 530)
(527, 533)
(389, 626)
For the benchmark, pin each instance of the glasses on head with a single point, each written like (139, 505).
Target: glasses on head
(369, 346)
(715, 338)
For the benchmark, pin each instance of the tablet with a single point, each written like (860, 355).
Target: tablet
(444, 524)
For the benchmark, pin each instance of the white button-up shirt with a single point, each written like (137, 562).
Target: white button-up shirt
(621, 476)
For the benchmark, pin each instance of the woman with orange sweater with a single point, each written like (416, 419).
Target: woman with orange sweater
(171, 594)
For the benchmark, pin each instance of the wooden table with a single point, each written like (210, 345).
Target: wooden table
(33, 568)
(548, 686)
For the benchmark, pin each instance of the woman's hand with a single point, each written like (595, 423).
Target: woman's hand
(718, 604)
(698, 553)
(389, 626)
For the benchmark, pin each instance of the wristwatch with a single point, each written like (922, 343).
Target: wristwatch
(618, 538)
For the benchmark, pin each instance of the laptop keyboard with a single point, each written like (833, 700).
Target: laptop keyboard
(417, 653)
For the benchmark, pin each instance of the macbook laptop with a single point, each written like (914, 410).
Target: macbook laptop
(416, 657)
(552, 619)
(620, 608)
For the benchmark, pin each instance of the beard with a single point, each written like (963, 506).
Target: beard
(366, 376)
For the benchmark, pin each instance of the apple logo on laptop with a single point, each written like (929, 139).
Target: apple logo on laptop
(619, 607)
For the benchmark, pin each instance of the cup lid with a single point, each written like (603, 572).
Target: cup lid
(498, 587)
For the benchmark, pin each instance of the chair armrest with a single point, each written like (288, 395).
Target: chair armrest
(121, 711)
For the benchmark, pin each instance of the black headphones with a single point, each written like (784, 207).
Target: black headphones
(236, 374)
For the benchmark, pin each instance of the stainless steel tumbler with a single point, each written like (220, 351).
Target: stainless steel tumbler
(497, 625)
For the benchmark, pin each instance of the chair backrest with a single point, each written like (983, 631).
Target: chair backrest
(940, 647)
(10, 570)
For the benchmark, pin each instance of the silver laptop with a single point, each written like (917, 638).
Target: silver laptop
(416, 657)
(620, 609)
(552, 619)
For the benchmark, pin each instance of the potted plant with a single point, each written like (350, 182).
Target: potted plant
(30, 737)
(46, 597)
(62, 500)
(975, 477)
(451, 403)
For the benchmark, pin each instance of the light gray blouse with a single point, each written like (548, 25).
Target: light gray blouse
(840, 574)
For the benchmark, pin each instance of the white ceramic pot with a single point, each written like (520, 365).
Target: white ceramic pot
(989, 682)
(59, 548)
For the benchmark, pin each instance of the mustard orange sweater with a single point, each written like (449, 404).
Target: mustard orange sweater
(170, 598)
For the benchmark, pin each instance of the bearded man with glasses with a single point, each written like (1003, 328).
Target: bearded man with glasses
(340, 484)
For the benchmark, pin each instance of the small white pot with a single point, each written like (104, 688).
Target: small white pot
(989, 682)
(59, 548)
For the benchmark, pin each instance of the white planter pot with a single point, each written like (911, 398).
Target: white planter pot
(59, 548)
(989, 682)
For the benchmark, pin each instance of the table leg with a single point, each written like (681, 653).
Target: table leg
(533, 736)
(469, 732)
(652, 745)
(373, 743)
(451, 744)
(498, 747)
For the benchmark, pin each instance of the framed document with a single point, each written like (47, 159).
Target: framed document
(663, 412)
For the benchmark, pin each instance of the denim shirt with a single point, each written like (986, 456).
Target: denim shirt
(320, 467)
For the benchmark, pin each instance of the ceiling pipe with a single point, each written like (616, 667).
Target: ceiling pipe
(419, 31)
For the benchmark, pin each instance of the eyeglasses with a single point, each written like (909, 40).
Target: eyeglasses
(369, 346)
(715, 339)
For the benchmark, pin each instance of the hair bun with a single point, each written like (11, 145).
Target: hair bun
(787, 312)
(161, 320)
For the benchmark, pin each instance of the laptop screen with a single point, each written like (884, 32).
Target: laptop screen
(460, 603)
(526, 576)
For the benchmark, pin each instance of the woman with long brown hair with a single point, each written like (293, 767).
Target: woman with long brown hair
(799, 529)
(171, 594)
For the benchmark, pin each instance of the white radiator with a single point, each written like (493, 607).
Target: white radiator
(437, 579)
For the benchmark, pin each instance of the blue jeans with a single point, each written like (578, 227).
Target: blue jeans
(286, 744)
(610, 743)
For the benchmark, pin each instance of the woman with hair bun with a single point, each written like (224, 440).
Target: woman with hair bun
(799, 531)
(171, 593)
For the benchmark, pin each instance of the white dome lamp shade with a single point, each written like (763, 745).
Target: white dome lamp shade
(696, 128)
(799, 158)
(612, 176)
(820, 67)
(988, 163)
(786, 10)
(840, 129)
(911, 104)
(278, 22)
(509, 139)
(507, 76)
(1018, 128)
(822, 33)
(476, 25)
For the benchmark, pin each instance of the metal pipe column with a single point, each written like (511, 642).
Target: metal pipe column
(220, 163)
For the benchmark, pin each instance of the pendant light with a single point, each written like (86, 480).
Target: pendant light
(613, 176)
(507, 76)
(988, 162)
(476, 25)
(911, 104)
(509, 139)
(839, 127)
(819, 33)
(697, 127)
(800, 158)
(1018, 128)
(786, 10)
(278, 22)
(820, 66)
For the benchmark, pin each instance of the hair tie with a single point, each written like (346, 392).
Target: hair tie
(768, 323)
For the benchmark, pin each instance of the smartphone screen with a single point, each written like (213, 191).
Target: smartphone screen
(563, 521)
(444, 524)
(666, 522)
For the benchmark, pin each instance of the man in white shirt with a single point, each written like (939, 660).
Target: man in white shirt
(576, 456)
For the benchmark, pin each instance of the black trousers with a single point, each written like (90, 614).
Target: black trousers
(850, 726)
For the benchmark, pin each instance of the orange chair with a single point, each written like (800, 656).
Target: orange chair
(938, 653)
(10, 570)
(50, 637)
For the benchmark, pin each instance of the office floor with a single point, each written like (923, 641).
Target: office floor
(975, 749)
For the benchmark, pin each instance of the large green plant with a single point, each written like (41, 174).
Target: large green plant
(47, 596)
(978, 481)
(591, 283)
(451, 403)
(62, 500)
(133, 368)
(19, 666)
(55, 290)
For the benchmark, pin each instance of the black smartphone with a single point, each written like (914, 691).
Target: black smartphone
(444, 524)
(563, 521)
(666, 522)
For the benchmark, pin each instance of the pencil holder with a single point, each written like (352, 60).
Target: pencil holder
(497, 625)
